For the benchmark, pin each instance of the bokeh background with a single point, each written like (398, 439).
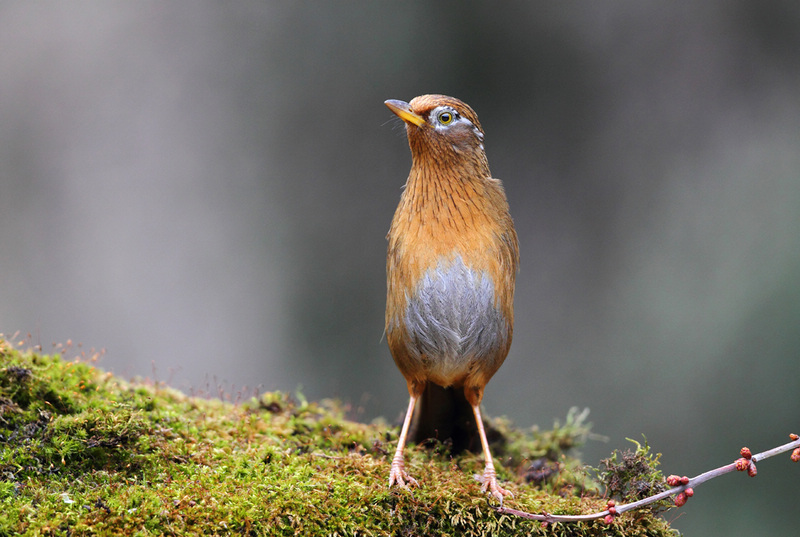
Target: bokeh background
(203, 190)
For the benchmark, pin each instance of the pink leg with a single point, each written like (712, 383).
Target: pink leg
(489, 475)
(398, 473)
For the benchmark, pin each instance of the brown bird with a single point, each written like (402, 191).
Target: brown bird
(451, 266)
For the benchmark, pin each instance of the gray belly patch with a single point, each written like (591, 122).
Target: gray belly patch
(452, 318)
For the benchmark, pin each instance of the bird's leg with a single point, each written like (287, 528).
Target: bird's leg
(489, 475)
(398, 473)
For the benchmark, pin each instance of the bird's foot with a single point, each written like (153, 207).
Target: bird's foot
(399, 475)
(489, 480)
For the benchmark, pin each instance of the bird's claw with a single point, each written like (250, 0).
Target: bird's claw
(399, 476)
(489, 480)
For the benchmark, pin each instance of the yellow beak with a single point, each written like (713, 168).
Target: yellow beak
(403, 111)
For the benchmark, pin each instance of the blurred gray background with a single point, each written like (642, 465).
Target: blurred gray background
(203, 189)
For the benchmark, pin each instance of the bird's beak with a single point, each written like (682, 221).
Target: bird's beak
(403, 111)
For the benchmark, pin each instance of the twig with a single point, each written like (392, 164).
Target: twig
(682, 487)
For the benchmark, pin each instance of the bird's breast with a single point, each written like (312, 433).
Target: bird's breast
(451, 319)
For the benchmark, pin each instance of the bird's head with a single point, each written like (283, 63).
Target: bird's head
(441, 130)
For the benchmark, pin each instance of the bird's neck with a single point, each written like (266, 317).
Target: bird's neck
(450, 211)
(447, 191)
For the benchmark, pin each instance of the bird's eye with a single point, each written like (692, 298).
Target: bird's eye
(445, 118)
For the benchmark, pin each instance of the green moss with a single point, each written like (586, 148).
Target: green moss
(83, 452)
(632, 475)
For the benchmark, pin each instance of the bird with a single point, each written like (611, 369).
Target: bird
(451, 266)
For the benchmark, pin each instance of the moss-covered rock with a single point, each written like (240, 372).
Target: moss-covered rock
(83, 452)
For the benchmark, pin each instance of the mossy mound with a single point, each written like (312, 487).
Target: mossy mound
(83, 452)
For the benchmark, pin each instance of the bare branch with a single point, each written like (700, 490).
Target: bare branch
(682, 487)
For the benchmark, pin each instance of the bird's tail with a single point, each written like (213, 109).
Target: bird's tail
(444, 414)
